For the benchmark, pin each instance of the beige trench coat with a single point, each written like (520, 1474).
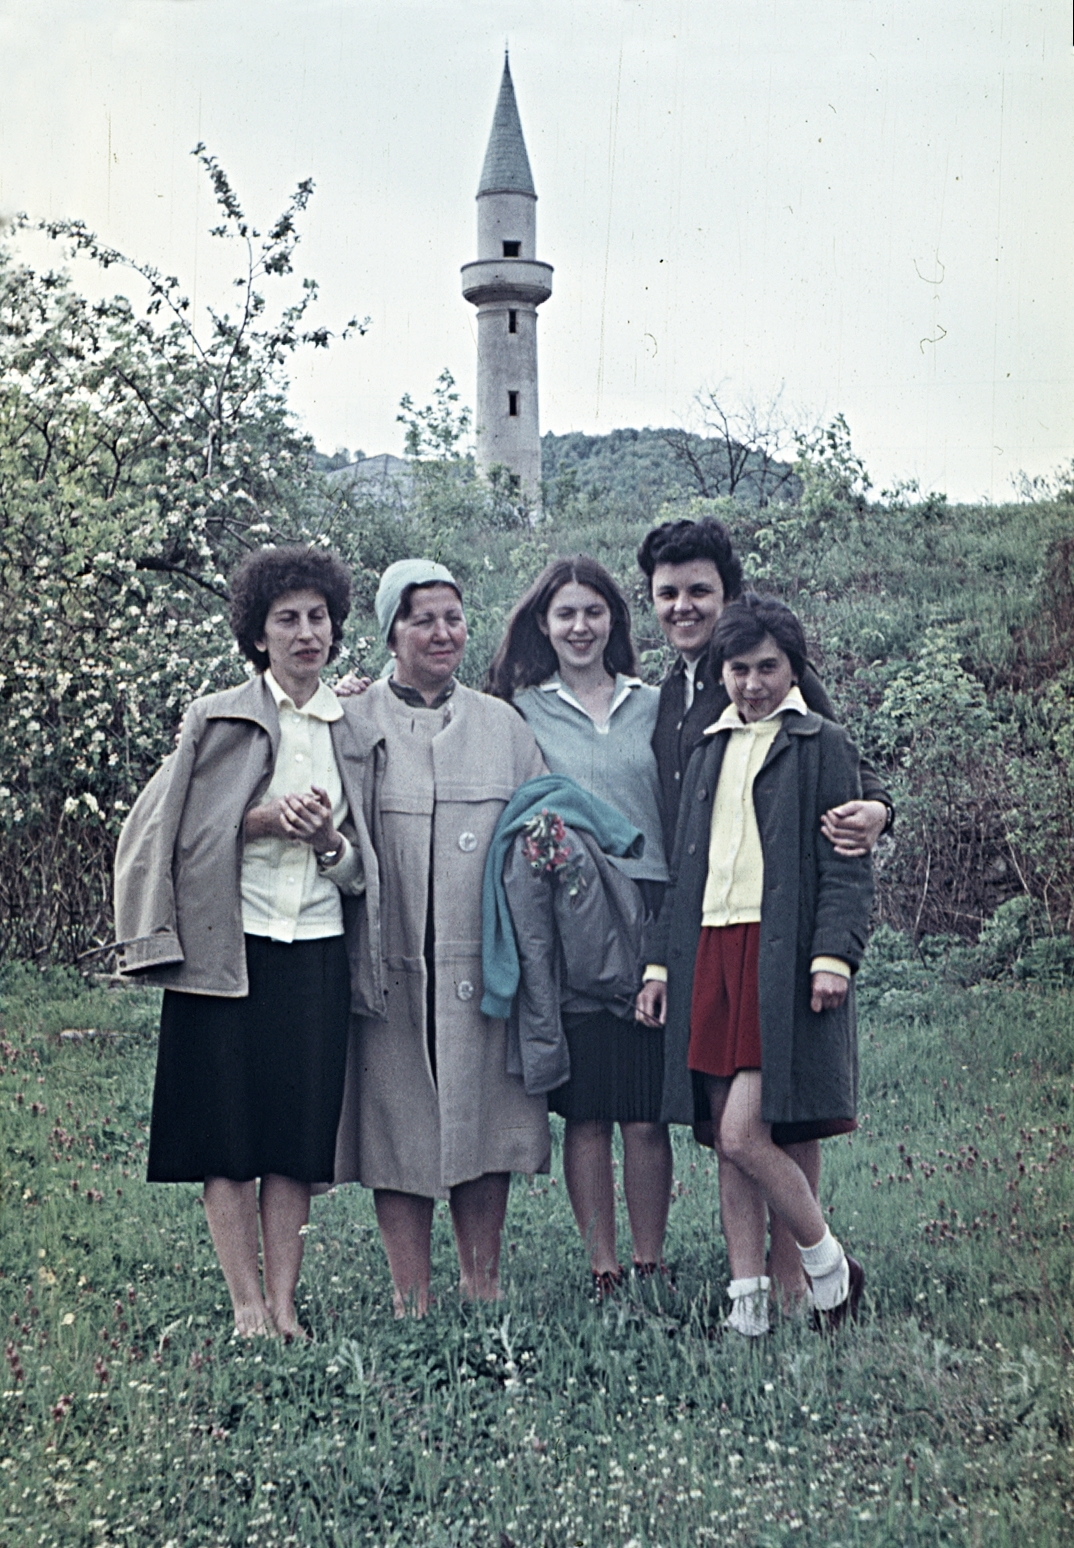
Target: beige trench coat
(445, 776)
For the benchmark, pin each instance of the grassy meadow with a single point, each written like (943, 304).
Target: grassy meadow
(129, 1417)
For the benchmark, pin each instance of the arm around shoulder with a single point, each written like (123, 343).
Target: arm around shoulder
(844, 881)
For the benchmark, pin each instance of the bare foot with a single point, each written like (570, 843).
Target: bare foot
(411, 1303)
(480, 1290)
(252, 1320)
(285, 1322)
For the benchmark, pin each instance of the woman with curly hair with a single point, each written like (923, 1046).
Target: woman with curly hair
(568, 665)
(246, 886)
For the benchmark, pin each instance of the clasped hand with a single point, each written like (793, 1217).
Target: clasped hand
(307, 819)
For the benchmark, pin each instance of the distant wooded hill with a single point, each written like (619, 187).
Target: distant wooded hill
(636, 471)
(641, 469)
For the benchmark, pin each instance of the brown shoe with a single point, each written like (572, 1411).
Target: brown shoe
(829, 1321)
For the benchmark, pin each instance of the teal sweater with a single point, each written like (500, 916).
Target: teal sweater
(615, 761)
(578, 809)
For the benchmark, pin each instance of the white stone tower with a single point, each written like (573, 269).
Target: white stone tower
(507, 285)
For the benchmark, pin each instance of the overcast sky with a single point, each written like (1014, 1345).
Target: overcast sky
(868, 201)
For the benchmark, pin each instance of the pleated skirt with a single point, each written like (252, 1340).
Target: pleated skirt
(617, 1070)
(254, 1086)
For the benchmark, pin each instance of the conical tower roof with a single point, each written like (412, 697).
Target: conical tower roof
(507, 167)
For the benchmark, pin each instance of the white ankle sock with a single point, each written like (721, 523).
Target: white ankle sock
(749, 1309)
(829, 1276)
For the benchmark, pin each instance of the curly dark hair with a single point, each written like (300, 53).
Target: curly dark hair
(269, 573)
(744, 623)
(677, 542)
(526, 657)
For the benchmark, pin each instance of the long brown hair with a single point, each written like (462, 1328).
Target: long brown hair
(526, 657)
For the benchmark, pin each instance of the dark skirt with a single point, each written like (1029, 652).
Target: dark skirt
(246, 1087)
(617, 1070)
(725, 1020)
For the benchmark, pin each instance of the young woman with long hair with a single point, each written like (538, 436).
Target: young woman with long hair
(568, 665)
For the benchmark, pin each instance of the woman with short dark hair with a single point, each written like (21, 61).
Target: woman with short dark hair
(761, 933)
(246, 886)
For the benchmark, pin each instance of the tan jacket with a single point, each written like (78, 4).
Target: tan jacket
(428, 1106)
(178, 897)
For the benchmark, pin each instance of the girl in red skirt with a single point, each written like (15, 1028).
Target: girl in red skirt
(761, 932)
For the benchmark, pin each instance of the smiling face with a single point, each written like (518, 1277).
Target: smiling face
(578, 625)
(688, 599)
(758, 680)
(428, 644)
(297, 637)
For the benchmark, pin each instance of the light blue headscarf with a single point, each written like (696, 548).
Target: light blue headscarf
(395, 580)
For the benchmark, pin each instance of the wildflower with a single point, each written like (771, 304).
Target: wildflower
(13, 1360)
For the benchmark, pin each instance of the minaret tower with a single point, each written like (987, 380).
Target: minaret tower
(507, 285)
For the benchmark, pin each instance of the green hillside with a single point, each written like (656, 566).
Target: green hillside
(638, 470)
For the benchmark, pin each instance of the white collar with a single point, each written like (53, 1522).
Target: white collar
(622, 690)
(322, 705)
(731, 721)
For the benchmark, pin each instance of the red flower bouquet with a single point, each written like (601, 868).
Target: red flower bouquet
(548, 851)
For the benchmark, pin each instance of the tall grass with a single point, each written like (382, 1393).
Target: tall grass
(946, 1417)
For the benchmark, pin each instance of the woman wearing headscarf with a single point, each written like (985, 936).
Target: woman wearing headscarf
(246, 886)
(430, 1111)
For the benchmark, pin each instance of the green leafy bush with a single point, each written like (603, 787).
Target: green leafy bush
(138, 462)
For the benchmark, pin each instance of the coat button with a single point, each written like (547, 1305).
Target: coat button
(702, 794)
(467, 843)
(464, 989)
(691, 849)
(699, 687)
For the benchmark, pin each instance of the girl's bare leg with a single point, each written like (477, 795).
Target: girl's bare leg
(587, 1171)
(744, 1218)
(478, 1211)
(231, 1210)
(647, 1174)
(285, 1209)
(406, 1224)
(747, 1141)
(742, 1206)
(784, 1262)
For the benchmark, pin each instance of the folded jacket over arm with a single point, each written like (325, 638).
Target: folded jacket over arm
(579, 950)
(578, 809)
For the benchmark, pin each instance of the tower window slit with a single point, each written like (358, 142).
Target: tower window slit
(512, 249)
(512, 322)
(512, 404)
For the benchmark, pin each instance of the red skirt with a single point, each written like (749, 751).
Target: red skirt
(725, 1014)
(725, 1019)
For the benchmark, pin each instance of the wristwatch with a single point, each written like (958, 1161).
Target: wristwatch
(327, 858)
